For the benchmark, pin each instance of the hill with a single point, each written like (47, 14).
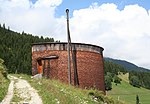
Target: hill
(127, 93)
(127, 65)
(137, 78)
(15, 49)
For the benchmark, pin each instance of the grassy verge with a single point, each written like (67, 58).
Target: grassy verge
(4, 83)
(126, 92)
(55, 92)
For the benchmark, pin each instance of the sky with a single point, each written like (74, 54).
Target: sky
(121, 27)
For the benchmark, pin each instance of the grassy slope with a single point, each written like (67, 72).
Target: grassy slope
(53, 92)
(128, 93)
(4, 83)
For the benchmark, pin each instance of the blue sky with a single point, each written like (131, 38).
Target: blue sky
(121, 27)
(79, 4)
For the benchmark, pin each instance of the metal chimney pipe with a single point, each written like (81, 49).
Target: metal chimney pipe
(68, 37)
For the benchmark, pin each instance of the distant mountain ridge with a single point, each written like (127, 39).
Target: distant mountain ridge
(127, 65)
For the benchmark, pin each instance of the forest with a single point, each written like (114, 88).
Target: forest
(15, 49)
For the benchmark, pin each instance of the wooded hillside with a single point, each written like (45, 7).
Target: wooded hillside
(15, 49)
(136, 78)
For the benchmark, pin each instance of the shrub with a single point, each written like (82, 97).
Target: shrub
(117, 80)
(98, 96)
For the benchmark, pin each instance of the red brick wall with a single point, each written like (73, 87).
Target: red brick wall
(89, 67)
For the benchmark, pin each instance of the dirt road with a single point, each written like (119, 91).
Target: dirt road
(20, 92)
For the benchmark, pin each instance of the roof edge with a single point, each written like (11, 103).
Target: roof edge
(44, 43)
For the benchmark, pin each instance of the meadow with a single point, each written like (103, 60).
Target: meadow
(128, 93)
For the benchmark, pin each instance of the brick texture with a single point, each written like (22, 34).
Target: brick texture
(90, 67)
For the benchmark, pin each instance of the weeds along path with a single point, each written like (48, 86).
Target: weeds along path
(20, 92)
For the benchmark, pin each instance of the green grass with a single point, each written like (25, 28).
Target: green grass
(4, 83)
(53, 92)
(127, 93)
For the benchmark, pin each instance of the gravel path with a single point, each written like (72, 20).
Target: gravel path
(20, 92)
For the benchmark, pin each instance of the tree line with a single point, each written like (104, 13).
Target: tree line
(15, 49)
(139, 79)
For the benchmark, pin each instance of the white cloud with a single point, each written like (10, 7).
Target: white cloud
(47, 3)
(124, 34)
(23, 15)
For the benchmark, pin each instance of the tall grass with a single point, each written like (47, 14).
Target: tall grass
(4, 82)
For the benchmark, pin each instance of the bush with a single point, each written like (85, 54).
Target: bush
(98, 96)
(117, 80)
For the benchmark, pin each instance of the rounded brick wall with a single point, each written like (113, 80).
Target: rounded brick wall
(89, 63)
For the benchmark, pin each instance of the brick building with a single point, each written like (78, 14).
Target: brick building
(51, 59)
